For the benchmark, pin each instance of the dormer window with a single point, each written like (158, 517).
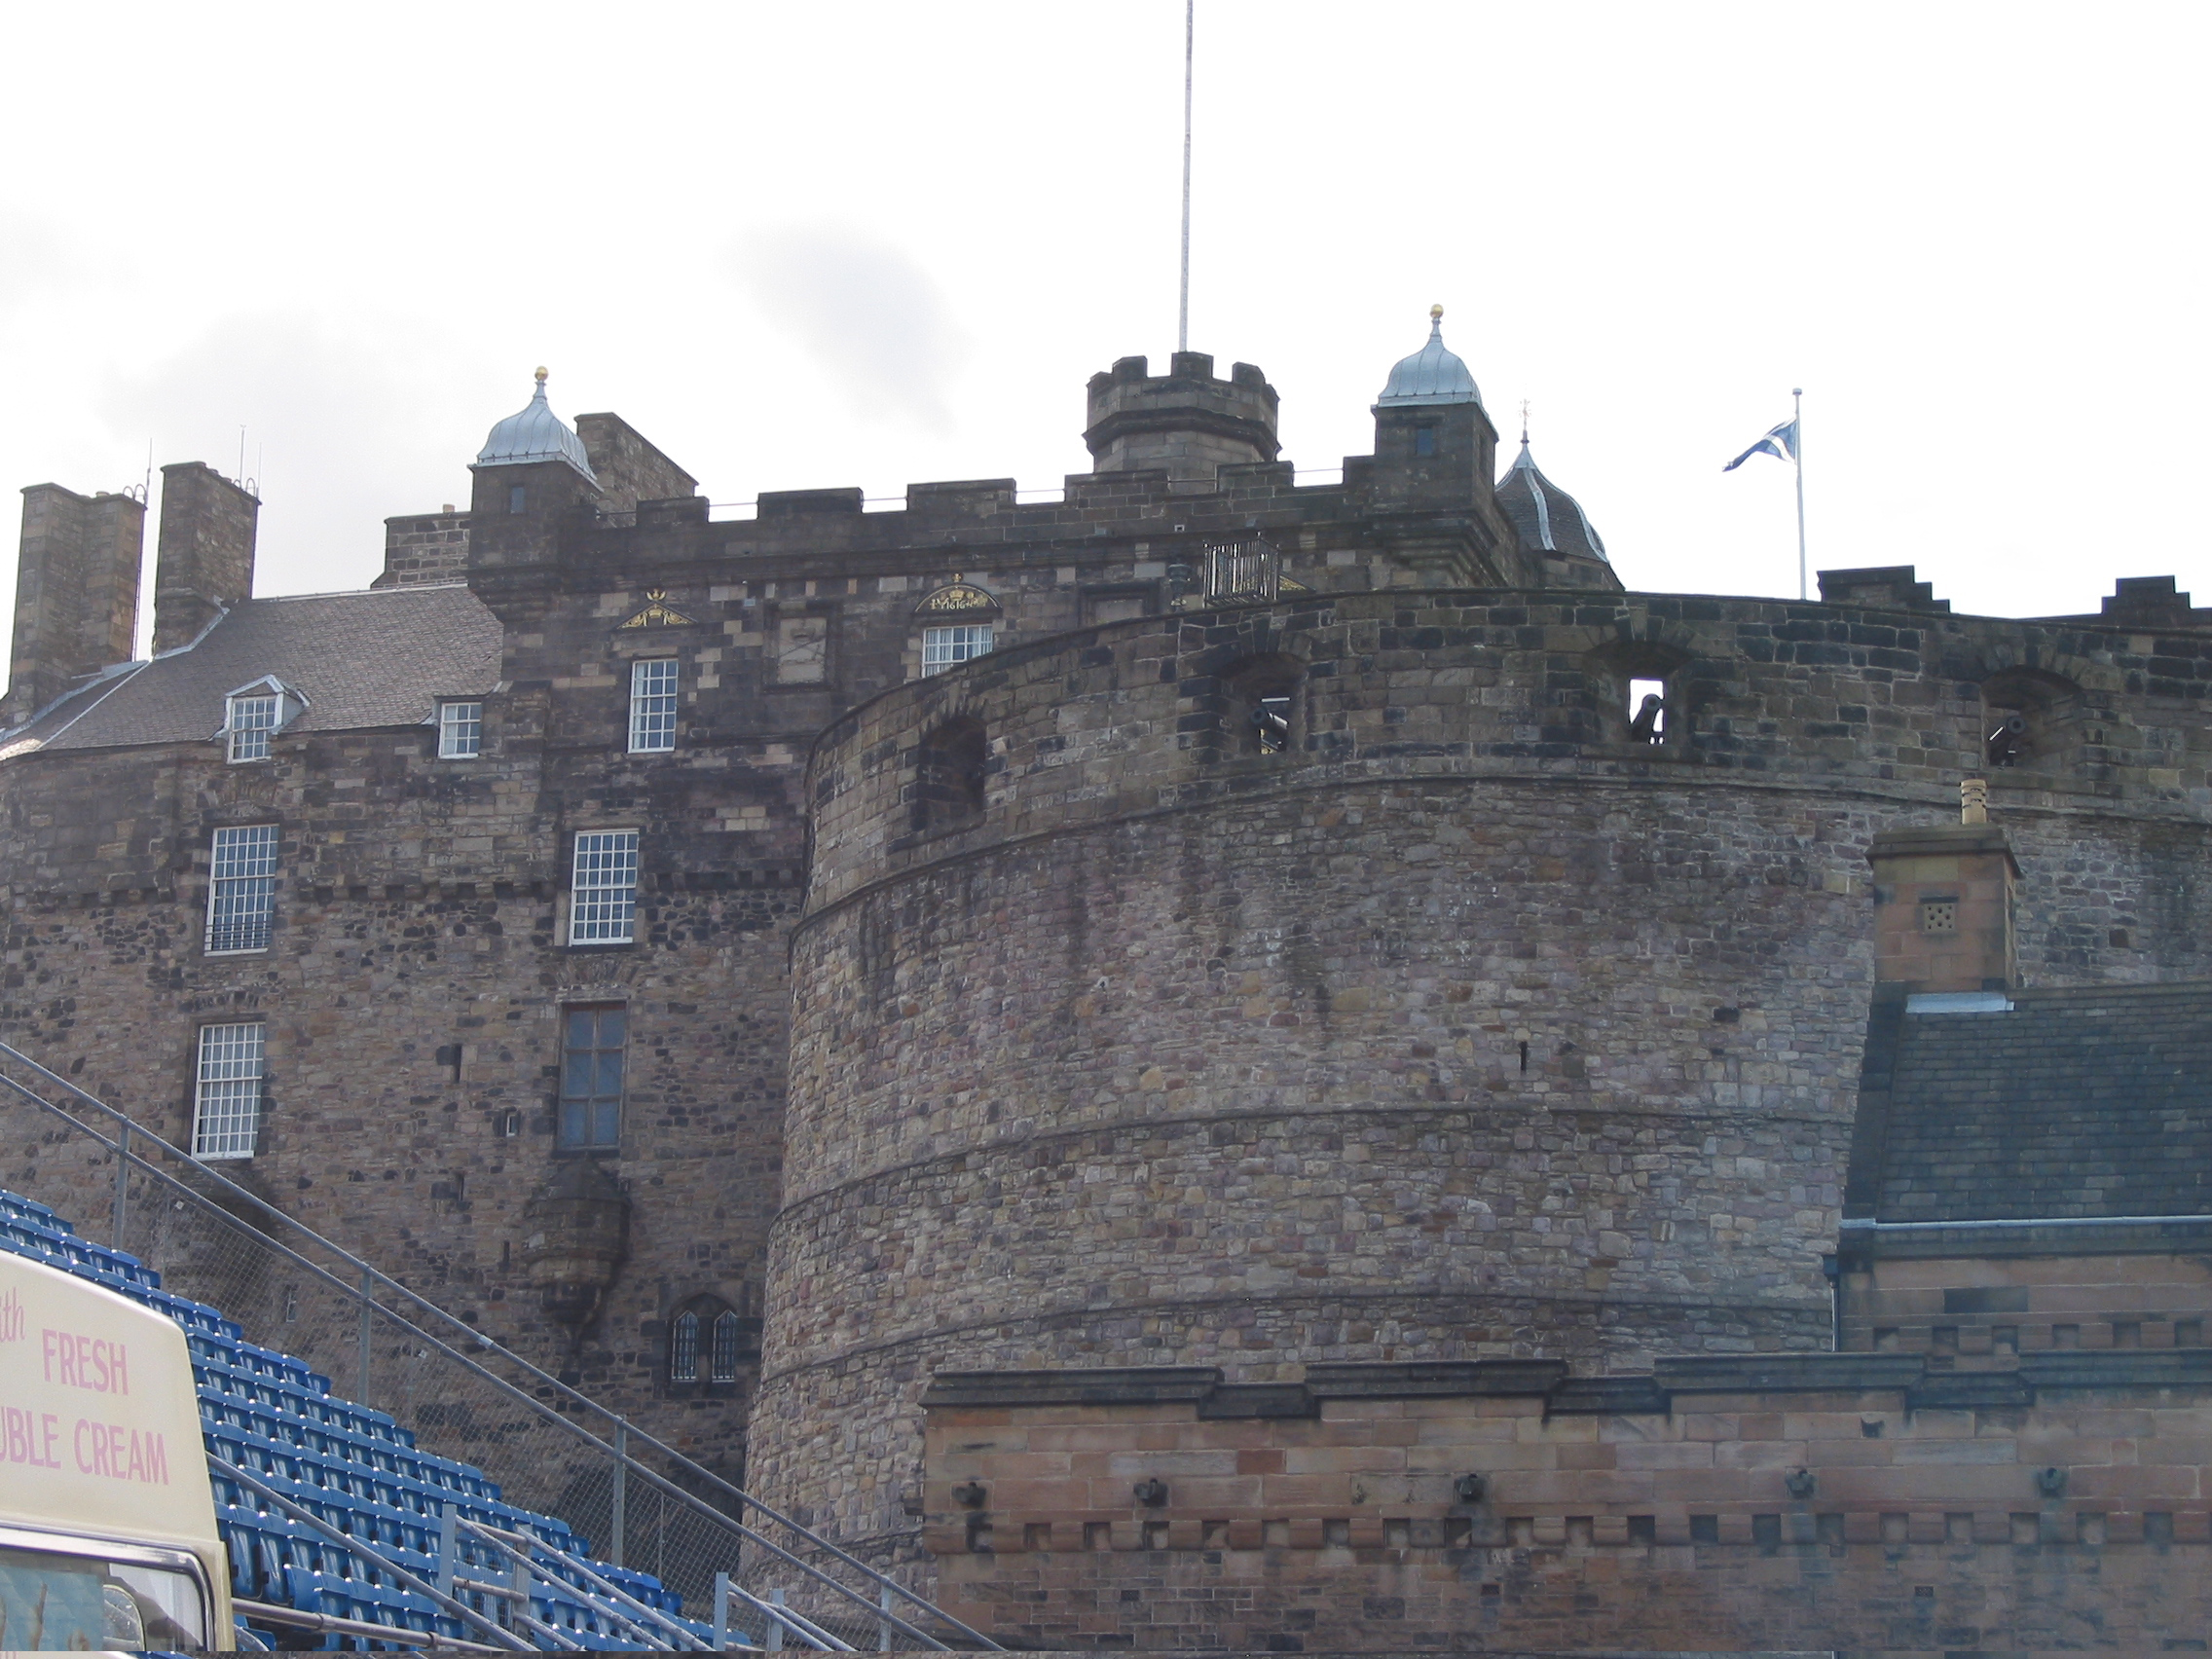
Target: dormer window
(461, 731)
(252, 719)
(254, 714)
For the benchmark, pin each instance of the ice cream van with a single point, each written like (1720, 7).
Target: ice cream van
(108, 1524)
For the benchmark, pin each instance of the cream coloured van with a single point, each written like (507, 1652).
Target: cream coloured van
(108, 1524)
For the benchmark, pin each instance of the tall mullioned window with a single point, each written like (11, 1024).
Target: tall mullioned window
(727, 1340)
(461, 731)
(252, 719)
(225, 1098)
(948, 648)
(603, 897)
(652, 706)
(684, 1348)
(594, 1039)
(241, 899)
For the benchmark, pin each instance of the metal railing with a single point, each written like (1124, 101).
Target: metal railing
(552, 1448)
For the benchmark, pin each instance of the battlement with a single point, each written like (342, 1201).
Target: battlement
(1142, 715)
(1187, 420)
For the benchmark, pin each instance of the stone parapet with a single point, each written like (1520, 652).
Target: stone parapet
(1834, 1501)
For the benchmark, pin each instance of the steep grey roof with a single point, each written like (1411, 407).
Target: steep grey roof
(1548, 518)
(376, 658)
(1431, 375)
(2077, 1103)
(533, 433)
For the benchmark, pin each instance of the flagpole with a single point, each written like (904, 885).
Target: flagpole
(1798, 425)
(1183, 304)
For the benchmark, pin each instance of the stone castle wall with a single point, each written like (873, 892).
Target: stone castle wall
(1465, 1027)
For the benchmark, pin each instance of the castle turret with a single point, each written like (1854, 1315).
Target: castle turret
(1435, 455)
(1186, 421)
(532, 473)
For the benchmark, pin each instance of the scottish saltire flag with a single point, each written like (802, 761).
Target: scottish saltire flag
(1781, 443)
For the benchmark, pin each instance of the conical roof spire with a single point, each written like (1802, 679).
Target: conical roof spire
(1548, 519)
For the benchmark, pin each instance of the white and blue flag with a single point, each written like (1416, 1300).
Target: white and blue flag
(1781, 443)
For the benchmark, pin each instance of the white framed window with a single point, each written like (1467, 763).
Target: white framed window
(652, 706)
(241, 898)
(251, 722)
(226, 1095)
(947, 647)
(602, 895)
(461, 731)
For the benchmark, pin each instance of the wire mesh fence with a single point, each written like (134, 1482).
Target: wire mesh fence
(640, 1503)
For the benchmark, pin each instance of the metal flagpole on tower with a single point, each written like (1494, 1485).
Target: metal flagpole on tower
(1183, 311)
(1797, 454)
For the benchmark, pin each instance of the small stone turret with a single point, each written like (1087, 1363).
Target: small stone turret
(1186, 421)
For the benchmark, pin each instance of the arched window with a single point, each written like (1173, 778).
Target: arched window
(709, 1344)
(683, 1347)
(1258, 705)
(729, 1344)
(949, 771)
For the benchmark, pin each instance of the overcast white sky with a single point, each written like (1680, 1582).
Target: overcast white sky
(870, 243)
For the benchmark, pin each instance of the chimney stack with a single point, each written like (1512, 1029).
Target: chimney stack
(76, 592)
(203, 564)
(1943, 903)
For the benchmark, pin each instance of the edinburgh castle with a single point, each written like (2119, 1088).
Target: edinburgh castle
(1207, 1062)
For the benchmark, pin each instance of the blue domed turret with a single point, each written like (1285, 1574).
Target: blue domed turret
(1431, 375)
(536, 434)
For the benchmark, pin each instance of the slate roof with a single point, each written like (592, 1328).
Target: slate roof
(1549, 520)
(380, 657)
(2088, 1103)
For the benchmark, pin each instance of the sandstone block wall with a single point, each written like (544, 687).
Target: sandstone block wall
(1822, 1502)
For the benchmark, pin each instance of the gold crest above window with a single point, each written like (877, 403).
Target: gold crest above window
(658, 613)
(958, 598)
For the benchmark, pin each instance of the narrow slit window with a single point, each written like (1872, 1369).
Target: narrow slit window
(1425, 440)
(948, 648)
(728, 1346)
(461, 731)
(1647, 711)
(226, 1105)
(603, 897)
(241, 897)
(684, 1348)
(652, 706)
(593, 1045)
(252, 721)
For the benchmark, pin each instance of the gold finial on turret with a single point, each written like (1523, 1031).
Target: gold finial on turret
(541, 374)
(1436, 314)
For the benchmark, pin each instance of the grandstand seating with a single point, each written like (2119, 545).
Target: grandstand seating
(351, 1466)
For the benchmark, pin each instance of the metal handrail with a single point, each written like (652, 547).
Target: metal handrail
(638, 1617)
(130, 1127)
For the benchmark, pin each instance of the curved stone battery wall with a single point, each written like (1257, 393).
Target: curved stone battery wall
(1461, 1026)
